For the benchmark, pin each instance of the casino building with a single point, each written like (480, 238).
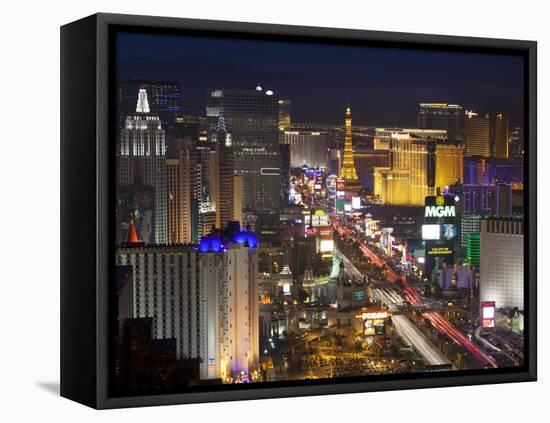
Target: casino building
(501, 242)
(420, 162)
(205, 297)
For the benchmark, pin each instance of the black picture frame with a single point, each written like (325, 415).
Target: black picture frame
(87, 246)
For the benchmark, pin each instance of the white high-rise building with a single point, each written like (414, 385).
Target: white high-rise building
(232, 315)
(501, 262)
(206, 298)
(168, 288)
(141, 161)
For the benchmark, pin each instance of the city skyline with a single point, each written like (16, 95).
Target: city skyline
(385, 85)
(252, 247)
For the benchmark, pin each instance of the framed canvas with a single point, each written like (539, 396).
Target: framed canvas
(258, 211)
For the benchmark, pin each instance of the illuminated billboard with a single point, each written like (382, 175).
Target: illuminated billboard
(487, 314)
(449, 231)
(331, 183)
(326, 246)
(356, 203)
(325, 232)
(440, 208)
(373, 323)
(431, 232)
(438, 251)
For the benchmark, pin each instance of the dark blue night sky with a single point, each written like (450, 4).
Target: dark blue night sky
(383, 86)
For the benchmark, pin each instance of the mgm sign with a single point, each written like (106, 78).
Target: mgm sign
(439, 206)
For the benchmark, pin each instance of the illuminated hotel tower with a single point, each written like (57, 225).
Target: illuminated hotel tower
(223, 173)
(141, 171)
(348, 172)
(477, 134)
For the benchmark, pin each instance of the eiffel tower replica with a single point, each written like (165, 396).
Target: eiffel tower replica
(348, 172)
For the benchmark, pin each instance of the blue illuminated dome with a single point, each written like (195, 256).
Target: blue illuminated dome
(232, 234)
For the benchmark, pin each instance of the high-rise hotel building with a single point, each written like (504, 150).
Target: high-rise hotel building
(308, 148)
(141, 162)
(501, 243)
(445, 116)
(232, 313)
(252, 116)
(486, 134)
(477, 134)
(421, 160)
(165, 100)
(206, 298)
(184, 184)
(223, 173)
(500, 136)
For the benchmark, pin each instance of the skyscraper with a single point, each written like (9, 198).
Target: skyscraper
(184, 183)
(141, 162)
(308, 148)
(516, 142)
(443, 116)
(206, 299)
(167, 287)
(347, 170)
(223, 173)
(252, 115)
(449, 164)
(284, 115)
(477, 134)
(285, 172)
(500, 137)
(165, 100)
(231, 277)
(501, 262)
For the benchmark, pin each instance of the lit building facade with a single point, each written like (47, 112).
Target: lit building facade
(420, 161)
(492, 200)
(167, 286)
(223, 173)
(469, 224)
(449, 164)
(477, 134)
(516, 142)
(500, 137)
(308, 148)
(365, 161)
(206, 298)
(473, 249)
(229, 267)
(184, 184)
(252, 115)
(165, 100)
(501, 244)
(141, 161)
(449, 117)
(284, 114)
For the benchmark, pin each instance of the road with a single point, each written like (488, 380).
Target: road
(447, 328)
(348, 265)
(388, 296)
(429, 353)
